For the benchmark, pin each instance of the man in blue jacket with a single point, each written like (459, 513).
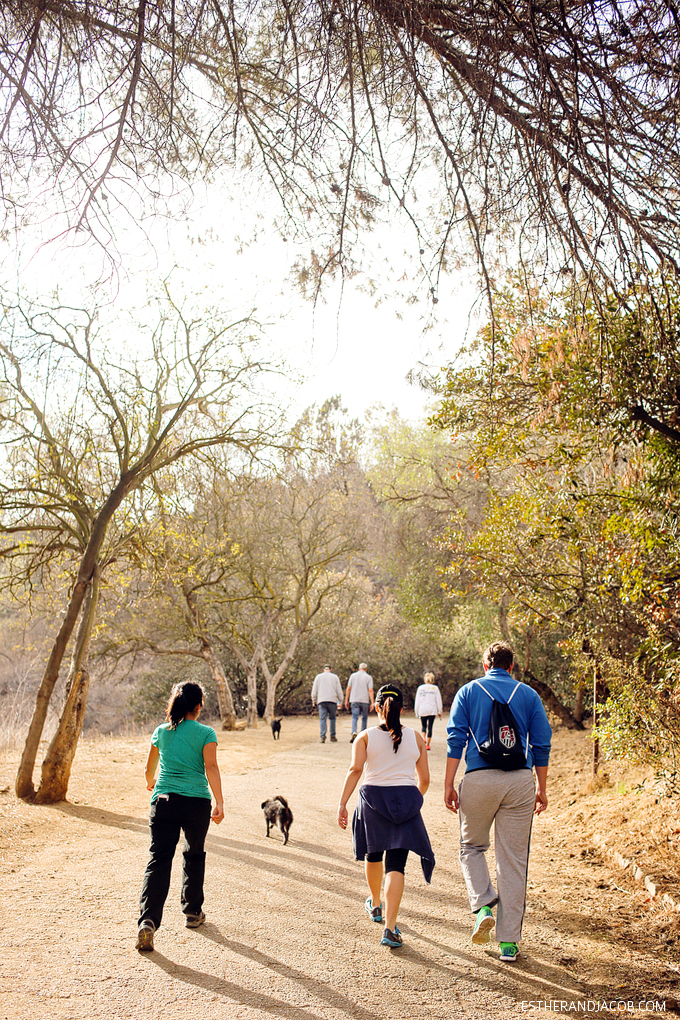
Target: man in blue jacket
(486, 794)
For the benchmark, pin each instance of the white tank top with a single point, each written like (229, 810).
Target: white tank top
(383, 766)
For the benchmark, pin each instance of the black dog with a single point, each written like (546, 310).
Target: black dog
(276, 729)
(277, 812)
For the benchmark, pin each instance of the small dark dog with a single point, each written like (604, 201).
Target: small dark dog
(276, 729)
(277, 812)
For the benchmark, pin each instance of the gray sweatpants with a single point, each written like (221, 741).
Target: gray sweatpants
(506, 799)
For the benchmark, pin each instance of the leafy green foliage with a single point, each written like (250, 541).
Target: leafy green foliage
(558, 380)
(573, 437)
(642, 718)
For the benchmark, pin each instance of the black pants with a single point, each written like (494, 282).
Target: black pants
(427, 722)
(395, 860)
(169, 815)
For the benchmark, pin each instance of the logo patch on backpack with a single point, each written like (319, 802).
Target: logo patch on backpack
(507, 736)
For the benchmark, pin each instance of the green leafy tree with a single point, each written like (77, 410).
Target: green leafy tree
(570, 379)
(576, 448)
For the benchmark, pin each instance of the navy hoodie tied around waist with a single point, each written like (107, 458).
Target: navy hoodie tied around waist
(388, 818)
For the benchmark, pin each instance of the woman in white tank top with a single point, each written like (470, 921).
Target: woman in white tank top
(387, 818)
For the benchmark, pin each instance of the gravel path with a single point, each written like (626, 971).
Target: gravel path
(287, 935)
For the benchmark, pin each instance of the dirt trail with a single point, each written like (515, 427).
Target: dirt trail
(287, 935)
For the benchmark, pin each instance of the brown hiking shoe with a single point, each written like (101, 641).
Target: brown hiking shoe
(145, 938)
(194, 920)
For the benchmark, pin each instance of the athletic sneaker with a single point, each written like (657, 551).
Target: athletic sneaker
(375, 912)
(391, 938)
(145, 937)
(194, 920)
(509, 951)
(481, 933)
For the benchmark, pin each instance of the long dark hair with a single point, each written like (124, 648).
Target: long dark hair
(184, 698)
(390, 700)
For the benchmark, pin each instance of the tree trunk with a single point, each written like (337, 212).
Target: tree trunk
(599, 696)
(551, 701)
(250, 667)
(503, 607)
(270, 704)
(24, 782)
(56, 768)
(251, 681)
(224, 698)
(598, 691)
(272, 679)
(578, 709)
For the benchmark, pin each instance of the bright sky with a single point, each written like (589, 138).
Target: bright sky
(350, 342)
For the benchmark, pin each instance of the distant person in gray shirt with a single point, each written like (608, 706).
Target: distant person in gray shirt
(327, 693)
(359, 695)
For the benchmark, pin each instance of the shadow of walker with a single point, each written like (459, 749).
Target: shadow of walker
(258, 1000)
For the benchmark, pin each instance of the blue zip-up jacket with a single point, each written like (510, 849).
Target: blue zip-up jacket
(471, 711)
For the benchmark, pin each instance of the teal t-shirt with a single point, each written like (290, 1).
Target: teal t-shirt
(182, 769)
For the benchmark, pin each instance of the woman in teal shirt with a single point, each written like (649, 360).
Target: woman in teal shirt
(187, 753)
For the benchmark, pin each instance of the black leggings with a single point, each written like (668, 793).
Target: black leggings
(427, 722)
(395, 860)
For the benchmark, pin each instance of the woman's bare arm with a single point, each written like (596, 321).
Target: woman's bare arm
(151, 766)
(212, 771)
(422, 766)
(359, 748)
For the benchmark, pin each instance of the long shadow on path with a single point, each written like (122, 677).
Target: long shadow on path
(528, 972)
(485, 969)
(100, 816)
(248, 997)
(296, 869)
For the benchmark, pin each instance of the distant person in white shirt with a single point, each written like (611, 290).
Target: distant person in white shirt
(359, 695)
(327, 693)
(428, 704)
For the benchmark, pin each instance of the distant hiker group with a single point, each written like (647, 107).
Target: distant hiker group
(327, 694)
(498, 722)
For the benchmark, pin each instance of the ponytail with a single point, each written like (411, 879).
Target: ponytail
(184, 699)
(392, 720)
(390, 700)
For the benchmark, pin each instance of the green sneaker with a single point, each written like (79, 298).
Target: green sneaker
(481, 933)
(509, 951)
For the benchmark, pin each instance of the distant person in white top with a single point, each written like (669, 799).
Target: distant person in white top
(359, 695)
(327, 693)
(428, 704)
